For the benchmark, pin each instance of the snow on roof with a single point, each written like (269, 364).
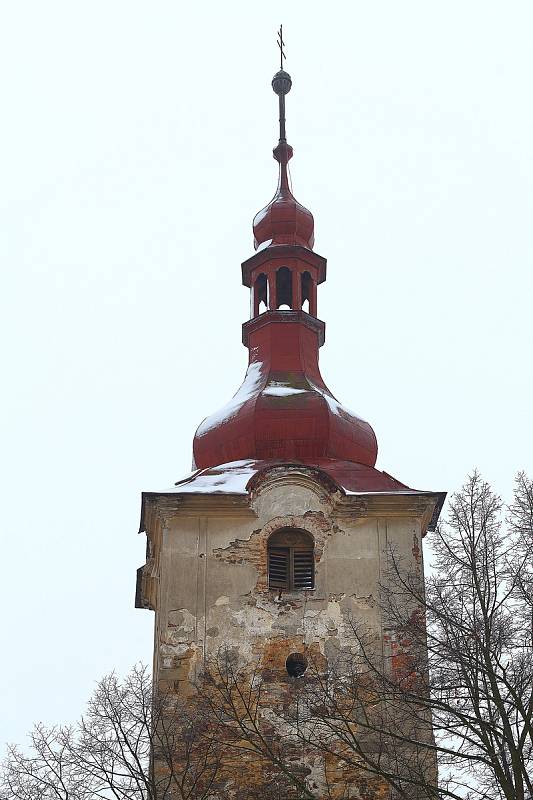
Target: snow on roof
(249, 387)
(229, 478)
(234, 477)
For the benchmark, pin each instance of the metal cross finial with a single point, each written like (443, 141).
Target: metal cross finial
(281, 45)
(281, 83)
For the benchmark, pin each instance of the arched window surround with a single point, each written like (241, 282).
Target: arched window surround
(291, 560)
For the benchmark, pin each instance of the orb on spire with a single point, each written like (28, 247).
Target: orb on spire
(282, 82)
(283, 220)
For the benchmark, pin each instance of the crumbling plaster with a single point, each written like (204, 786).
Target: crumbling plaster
(206, 579)
(213, 590)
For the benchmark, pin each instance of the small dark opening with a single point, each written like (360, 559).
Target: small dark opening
(296, 665)
(306, 291)
(284, 287)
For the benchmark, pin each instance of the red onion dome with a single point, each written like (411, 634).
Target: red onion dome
(284, 409)
(284, 220)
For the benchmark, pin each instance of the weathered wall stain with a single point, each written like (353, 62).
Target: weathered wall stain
(209, 586)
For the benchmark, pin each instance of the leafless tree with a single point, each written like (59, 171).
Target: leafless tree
(480, 642)
(449, 683)
(131, 744)
(478, 614)
(452, 685)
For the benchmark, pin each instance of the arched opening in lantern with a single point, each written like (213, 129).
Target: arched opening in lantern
(260, 295)
(284, 288)
(307, 283)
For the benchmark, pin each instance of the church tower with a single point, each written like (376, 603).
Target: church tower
(279, 540)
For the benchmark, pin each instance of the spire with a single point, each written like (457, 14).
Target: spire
(281, 83)
(283, 220)
(284, 410)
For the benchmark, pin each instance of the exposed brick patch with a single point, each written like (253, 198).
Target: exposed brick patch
(254, 550)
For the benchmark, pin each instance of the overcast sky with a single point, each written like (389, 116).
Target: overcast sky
(135, 148)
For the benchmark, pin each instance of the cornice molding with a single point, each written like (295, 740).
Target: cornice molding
(287, 317)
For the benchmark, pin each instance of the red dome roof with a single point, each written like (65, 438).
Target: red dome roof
(284, 220)
(284, 410)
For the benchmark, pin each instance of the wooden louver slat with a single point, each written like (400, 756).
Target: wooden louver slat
(303, 569)
(278, 568)
(291, 561)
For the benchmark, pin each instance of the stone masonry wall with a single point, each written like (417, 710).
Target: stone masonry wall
(214, 602)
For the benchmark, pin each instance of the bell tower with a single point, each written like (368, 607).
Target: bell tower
(284, 410)
(279, 539)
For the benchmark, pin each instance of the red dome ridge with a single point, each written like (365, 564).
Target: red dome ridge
(284, 220)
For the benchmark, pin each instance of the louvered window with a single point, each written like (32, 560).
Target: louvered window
(291, 560)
